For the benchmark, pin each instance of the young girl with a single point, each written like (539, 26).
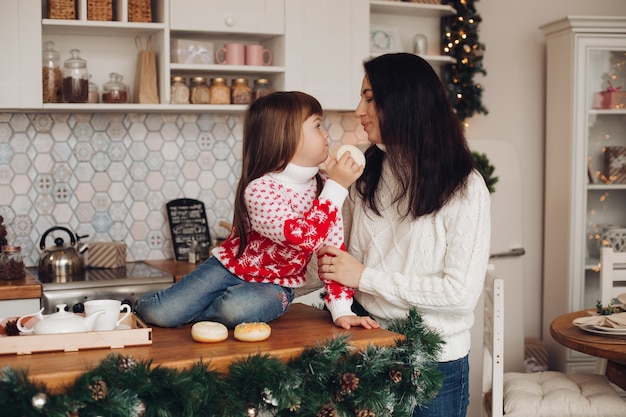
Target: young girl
(284, 213)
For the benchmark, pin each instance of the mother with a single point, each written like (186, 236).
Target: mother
(420, 226)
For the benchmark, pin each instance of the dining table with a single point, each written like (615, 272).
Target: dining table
(611, 347)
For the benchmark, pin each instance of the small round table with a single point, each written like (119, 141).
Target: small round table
(611, 348)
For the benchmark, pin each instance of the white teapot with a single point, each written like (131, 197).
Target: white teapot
(60, 322)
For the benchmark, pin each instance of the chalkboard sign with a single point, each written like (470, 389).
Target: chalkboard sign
(188, 222)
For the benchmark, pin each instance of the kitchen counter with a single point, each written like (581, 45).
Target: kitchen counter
(19, 289)
(301, 326)
(171, 266)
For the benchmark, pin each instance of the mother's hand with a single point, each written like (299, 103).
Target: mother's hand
(338, 265)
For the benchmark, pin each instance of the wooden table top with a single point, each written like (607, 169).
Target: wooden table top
(608, 347)
(300, 327)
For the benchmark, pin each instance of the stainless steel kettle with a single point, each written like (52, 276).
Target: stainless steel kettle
(62, 260)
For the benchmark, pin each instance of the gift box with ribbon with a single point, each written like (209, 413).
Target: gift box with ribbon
(189, 51)
(611, 98)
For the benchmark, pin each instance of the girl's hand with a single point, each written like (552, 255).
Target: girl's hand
(344, 171)
(345, 322)
(337, 265)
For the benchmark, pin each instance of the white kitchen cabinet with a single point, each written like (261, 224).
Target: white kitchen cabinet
(318, 47)
(229, 16)
(582, 54)
(20, 73)
(325, 44)
(15, 308)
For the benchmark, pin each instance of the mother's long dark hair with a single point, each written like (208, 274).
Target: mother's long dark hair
(424, 139)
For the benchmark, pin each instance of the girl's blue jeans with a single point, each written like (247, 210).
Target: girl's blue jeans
(453, 397)
(212, 293)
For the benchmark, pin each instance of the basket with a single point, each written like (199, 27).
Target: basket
(139, 11)
(61, 9)
(100, 10)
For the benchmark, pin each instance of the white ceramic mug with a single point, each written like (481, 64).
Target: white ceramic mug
(231, 54)
(258, 55)
(111, 317)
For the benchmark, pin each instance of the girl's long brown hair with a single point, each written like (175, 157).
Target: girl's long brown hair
(271, 133)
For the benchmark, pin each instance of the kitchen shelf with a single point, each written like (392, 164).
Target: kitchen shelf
(227, 69)
(411, 9)
(140, 108)
(98, 28)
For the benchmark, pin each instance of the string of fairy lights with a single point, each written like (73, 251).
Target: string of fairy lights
(460, 41)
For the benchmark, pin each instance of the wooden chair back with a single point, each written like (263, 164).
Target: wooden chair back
(493, 344)
(612, 274)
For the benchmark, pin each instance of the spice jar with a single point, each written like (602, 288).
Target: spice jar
(262, 87)
(200, 93)
(94, 94)
(179, 92)
(115, 91)
(240, 92)
(75, 79)
(51, 74)
(12, 263)
(220, 92)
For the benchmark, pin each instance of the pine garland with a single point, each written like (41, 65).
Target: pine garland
(460, 40)
(328, 379)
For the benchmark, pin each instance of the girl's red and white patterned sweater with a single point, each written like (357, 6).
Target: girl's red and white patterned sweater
(288, 225)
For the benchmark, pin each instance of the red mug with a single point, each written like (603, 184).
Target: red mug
(258, 55)
(230, 54)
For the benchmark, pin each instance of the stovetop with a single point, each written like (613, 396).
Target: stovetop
(133, 273)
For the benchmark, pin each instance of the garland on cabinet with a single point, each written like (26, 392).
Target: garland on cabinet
(329, 379)
(460, 40)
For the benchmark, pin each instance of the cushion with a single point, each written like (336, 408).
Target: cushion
(555, 394)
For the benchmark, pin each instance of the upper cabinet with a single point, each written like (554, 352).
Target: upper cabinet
(324, 50)
(313, 46)
(229, 16)
(20, 35)
(585, 181)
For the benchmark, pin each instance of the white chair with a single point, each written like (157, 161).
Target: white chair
(612, 274)
(538, 394)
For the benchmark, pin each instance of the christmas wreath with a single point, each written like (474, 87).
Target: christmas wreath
(328, 379)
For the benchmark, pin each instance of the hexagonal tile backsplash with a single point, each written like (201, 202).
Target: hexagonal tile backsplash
(109, 176)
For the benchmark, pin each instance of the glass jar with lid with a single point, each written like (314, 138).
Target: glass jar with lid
(12, 263)
(179, 92)
(115, 91)
(75, 79)
(240, 92)
(199, 92)
(262, 87)
(51, 74)
(220, 91)
(94, 93)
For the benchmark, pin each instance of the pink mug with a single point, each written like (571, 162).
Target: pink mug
(257, 55)
(230, 54)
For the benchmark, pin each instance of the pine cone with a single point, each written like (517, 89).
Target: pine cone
(11, 328)
(98, 390)
(395, 376)
(125, 363)
(365, 413)
(349, 382)
(327, 411)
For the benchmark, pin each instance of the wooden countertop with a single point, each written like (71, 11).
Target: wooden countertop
(301, 326)
(19, 289)
(176, 268)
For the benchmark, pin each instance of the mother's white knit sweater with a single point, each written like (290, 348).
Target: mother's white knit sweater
(436, 263)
